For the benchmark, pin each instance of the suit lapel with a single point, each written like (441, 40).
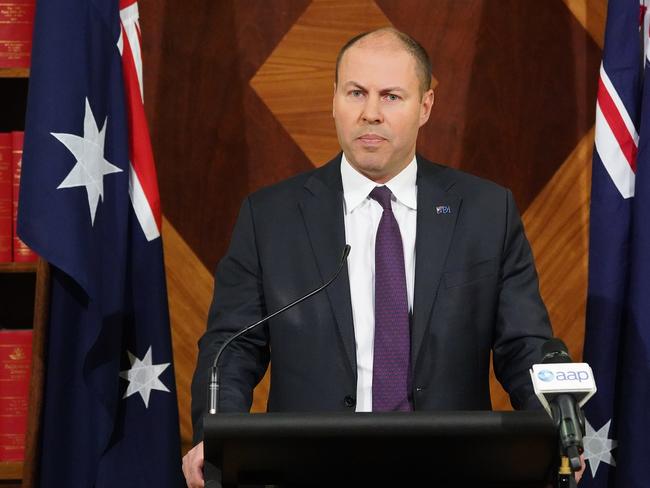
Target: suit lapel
(435, 228)
(322, 211)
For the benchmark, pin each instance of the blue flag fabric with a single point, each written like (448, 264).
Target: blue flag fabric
(617, 336)
(110, 415)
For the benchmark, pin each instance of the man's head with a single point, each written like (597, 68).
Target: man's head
(381, 99)
(413, 47)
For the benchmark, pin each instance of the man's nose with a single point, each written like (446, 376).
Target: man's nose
(372, 111)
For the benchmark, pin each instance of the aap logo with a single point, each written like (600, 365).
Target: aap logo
(545, 375)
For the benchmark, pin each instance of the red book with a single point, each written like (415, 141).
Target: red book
(22, 254)
(15, 370)
(16, 25)
(6, 198)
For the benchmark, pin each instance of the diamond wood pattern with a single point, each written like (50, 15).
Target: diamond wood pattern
(557, 223)
(557, 226)
(296, 81)
(592, 14)
(240, 97)
(189, 285)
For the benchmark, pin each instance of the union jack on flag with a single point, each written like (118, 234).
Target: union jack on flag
(89, 205)
(617, 336)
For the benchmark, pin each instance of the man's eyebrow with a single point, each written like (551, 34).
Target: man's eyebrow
(354, 84)
(350, 84)
(393, 89)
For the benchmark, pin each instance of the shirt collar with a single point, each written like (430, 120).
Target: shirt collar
(357, 187)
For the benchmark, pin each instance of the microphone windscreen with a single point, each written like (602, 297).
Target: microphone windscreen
(555, 351)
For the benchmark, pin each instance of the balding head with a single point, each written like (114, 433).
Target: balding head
(391, 38)
(379, 104)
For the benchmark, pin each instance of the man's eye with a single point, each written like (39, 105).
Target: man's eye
(392, 98)
(356, 93)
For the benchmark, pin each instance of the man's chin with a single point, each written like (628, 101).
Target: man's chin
(367, 161)
(369, 166)
(375, 171)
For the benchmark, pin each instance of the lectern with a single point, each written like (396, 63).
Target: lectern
(438, 449)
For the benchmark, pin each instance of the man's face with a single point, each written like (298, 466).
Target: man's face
(378, 108)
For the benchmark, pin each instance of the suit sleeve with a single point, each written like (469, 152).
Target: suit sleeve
(237, 302)
(522, 324)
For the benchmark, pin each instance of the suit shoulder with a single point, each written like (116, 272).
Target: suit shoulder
(292, 189)
(463, 183)
(282, 191)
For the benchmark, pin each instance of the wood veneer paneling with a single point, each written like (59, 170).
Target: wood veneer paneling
(213, 142)
(296, 81)
(592, 15)
(515, 96)
(557, 223)
(557, 226)
(516, 86)
(189, 284)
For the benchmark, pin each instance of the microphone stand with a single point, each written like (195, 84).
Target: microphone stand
(565, 477)
(568, 419)
(570, 422)
(214, 385)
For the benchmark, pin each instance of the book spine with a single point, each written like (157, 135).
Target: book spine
(16, 26)
(15, 371)
(22, 253)
(6, 198)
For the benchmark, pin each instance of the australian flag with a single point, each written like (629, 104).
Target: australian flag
(89, 206)
(617, 338)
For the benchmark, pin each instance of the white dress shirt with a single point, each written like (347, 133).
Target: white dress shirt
(361, 216)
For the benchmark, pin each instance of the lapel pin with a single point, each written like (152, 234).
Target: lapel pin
(443, 209)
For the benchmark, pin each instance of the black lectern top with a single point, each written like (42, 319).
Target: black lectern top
(479, 449)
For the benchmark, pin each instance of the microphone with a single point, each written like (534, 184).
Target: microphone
(563, 387)
(555, 351)
(214, 377)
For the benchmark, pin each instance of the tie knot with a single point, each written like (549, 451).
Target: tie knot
(382, 194)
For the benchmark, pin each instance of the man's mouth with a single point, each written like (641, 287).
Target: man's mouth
(371, 139)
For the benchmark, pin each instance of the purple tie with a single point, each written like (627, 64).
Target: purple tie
(390, 372)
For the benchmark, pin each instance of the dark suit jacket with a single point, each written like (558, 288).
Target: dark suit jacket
(476, 292)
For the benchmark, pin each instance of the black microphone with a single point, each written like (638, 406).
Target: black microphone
(555, 351)
(567, 415)
(214, 377)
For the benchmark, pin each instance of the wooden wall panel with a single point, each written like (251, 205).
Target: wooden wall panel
(189, 285)
(213, 142)
(515, 101)
(592, 15)
(296, 81)
(516, 86)
(557, 226)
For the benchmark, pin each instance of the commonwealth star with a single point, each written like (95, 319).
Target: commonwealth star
(143, 377)
(91, 167)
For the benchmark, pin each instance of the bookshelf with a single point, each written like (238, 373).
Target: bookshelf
(26, 285)
(18, 267)
(24, 288)
(14, 73)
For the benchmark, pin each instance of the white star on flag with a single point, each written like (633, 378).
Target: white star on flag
(143, 377)
(91, 165)
(598, 447)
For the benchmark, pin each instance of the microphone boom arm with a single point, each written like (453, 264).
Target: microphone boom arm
(214, 376)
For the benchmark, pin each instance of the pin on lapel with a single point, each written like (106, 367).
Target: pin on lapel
(443, 209)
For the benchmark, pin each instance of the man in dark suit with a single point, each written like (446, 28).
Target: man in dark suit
(440, 273)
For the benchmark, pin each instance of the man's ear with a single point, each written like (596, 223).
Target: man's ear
(425, 106)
